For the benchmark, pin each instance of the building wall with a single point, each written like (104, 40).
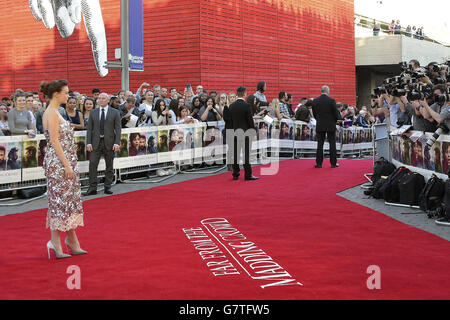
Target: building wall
(295, 45)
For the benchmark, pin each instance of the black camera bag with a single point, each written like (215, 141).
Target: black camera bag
(432, 194)
(410, 187)
(390, 190)
(375, 190)
(381, 167)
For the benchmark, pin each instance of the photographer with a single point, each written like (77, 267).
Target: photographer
(437, 112)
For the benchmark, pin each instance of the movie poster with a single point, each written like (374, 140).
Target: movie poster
(199, 143)
(179, 147)
(263, 134)
(136, 148)
(30, 155)
(10, 159)
(286, 134)
(163, 144)
(214, 149)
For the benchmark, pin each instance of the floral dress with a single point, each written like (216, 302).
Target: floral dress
(65, 210)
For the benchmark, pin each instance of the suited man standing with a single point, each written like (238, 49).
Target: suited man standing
(240, 114)
(326, 114)
(102, 139)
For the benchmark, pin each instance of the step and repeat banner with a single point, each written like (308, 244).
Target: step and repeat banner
(21, 158)
(411, 150)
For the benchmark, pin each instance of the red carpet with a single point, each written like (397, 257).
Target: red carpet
(283, 227)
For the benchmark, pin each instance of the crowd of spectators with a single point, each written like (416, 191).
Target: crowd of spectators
(395, 28)
(21, 113)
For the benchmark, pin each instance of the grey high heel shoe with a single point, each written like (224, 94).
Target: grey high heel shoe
(50, 246)
(81, 251)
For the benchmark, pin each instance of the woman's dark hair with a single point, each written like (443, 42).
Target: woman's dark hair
(173, 105)
(209, 98)
(84, 104)
(49, 88)
(253, 102)
(193, 103)
(158, 106)
(260, 86)
(181, 109)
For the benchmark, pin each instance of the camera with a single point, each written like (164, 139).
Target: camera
(399, 92)
(442, 129)
(266, 111)
(440, 99)
(414, 96)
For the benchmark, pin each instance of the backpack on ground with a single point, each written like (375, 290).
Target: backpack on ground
(410, 187)
(431, 196)
(381, 167)
(31, 192)
(389, 189)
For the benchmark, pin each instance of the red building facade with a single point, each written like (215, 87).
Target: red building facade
(294, 45)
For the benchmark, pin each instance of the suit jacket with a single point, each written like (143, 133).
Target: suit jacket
(326, 113)
(113, 128)
(241, 115)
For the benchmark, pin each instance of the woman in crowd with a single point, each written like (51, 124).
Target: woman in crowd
(173, 110)
(114, 102)
(20, 121)
(196, 105)
(188, 95)
(88, 106)
(161, 116)
(392, 27)
(398, 28)
(4, 128)
(75, 116)
(231, 98)
(80, 102)
(184, 117)
(208, 112)
(259, 94)
(274, 110)
(221, 102)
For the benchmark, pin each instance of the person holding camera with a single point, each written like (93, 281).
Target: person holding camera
(433, 113)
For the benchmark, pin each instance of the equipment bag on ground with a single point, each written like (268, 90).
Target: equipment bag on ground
(389, 189)
(410, 187)
(432, 194)
(381, 168)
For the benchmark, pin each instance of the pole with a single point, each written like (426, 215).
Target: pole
(125, 44)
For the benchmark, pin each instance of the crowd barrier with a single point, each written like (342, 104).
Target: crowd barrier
(411, 150)
(152, 147)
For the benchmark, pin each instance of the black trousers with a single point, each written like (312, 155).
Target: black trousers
(244, 147)
(94, 159)
(331, 136)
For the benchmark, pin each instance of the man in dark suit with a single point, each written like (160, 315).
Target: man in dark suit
(241, 117)
(102, 139)
(326, 114)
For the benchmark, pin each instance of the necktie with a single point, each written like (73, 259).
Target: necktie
(102, 123)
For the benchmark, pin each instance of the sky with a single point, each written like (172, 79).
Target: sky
(433, 15)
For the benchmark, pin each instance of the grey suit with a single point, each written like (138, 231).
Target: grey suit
(102, 145)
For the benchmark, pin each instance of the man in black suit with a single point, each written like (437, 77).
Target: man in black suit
(102, 139)
(326, 114)
(240, 113)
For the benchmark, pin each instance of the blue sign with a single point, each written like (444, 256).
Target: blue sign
(136, 36)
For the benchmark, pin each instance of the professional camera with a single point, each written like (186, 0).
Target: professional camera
(399, 92)
(442, 129)
(440, 99)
